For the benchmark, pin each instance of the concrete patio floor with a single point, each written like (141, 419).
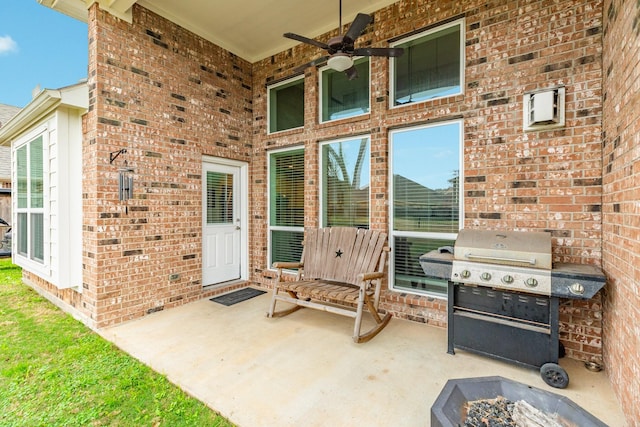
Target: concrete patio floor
(304, 369)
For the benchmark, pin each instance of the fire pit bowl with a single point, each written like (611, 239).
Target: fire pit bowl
(449, 409)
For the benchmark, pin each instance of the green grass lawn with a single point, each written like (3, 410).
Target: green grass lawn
(54, 371)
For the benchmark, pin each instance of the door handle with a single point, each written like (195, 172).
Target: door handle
(237, 227)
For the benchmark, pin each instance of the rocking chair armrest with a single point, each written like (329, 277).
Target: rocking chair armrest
(365, 277)
(282, 264)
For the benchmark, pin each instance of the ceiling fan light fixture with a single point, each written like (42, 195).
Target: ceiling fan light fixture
(340, 62)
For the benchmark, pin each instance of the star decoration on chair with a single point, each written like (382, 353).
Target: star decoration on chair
(339, 253)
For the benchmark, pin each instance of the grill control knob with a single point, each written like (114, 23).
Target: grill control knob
(507, 279)
(465, 274)
(576, 288)
(531, 282)
(485, 276)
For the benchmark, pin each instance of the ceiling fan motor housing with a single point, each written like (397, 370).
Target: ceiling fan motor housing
(337, 44)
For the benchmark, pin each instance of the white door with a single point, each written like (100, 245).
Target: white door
(221, 223)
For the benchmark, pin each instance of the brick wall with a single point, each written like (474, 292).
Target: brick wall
(621, 216)
(513, 180)
(167, 97)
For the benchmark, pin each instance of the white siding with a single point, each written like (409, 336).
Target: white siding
(51, 247)
(68, 188)
(62, 197)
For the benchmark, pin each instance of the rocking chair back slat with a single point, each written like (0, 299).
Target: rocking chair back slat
(341, 253)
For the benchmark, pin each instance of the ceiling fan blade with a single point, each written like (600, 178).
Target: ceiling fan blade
(351, 73)
(357, 26)
(306, 40)
(311, 64)
(378, 51)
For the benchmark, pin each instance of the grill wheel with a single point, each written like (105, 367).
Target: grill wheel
(554, 375)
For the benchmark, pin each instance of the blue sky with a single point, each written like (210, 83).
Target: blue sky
(38, 46)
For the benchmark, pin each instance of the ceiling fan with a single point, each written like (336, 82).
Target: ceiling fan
(341, 49)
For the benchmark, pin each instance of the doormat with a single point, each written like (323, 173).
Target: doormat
(237, 296)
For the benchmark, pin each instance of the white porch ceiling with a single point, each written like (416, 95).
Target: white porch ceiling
(251, 29)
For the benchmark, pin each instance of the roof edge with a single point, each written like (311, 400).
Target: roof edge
(75, 96)
(77, 9)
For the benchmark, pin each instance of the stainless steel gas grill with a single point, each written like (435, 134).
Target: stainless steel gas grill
(509, 260)
(504, 296)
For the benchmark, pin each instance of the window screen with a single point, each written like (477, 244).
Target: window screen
(426, 202)
(431, 66)
(219, 198)
(286, 105)
(341, 97)
(408, 272)
(426, 163)
(345, 183)
(30, 199)
(286, 205)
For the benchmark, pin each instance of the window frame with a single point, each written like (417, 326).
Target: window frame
(27, 261)
(321, 92)
(415, 234)
(275, 86)
(322, 220)
(271, 227)
(392, 61)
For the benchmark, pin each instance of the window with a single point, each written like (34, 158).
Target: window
(286, 205)
(341, 97)
(220, 197)
(426, 202)
(30, 199)
(431, 67)
(345, 183)
(286, 105)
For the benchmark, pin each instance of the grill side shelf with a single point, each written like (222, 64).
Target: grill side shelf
(436, 264)
(576, 281)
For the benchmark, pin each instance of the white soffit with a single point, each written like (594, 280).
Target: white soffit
(251, 29)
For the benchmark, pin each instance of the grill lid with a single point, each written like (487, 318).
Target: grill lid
(517, 248)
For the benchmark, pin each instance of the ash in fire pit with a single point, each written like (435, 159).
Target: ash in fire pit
(490, 412)
(490, 398)
(500, 412)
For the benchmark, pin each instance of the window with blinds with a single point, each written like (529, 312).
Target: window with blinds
(340, 97)
(345, 183)
(286, 205)
(30, 200)
(219, 198)
(426, 199)
(286, 105)
(431, 66)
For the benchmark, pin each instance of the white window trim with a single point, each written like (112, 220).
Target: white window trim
(270, 228)
(320, 103)
(421, 235)
(274, 86)
(459, 22)
(321, 180)
(42, 269)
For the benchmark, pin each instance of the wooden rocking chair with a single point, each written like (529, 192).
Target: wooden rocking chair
(340, 272)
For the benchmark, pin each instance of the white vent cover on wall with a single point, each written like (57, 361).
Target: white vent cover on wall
(543, 109)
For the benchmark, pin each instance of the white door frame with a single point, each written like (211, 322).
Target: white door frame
(244, 210)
